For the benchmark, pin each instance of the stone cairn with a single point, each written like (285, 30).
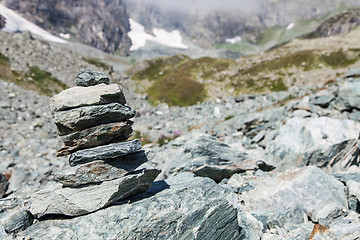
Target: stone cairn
(93, 122)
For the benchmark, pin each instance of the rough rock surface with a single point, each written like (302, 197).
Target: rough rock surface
(101, 24)
(299, 139)
(287, 199)
(2, 22)
(13, 215)
(95, 136)
(207, 157)
(78, 119)
(78, 201)
(79, 96)
(104, 152)
(183, 207)
(349, 92)
(99, 171)
(88, 77)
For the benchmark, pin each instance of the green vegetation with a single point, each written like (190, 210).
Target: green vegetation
(35, 79)
(144, 138)
(177, 88)
(98, 63)
(4, 60)
(228, 117)
(339, 59)
(42, 82)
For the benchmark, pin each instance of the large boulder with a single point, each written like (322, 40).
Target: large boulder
(207, 157)
(288, 199)
(183, 207)
(314, 141)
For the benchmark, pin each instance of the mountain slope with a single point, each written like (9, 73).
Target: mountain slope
(301, 62)
(101, 24)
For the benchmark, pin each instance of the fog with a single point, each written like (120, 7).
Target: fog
(202, 5)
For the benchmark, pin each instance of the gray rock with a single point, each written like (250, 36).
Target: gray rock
(287, 199)
(2, 22)
(13, 215)
(105, 152)
(86, 96)
(78, 201)
(87, 77)
(86, 117)
(354, 72)
(4, 184)
(324, 100)
(346, 227)
(339, 157)
(301, 113)
(349, 92)
(300, 138)
(183, 207)
(207, 157)
(95, 136)
(16, 221)
(100, 171)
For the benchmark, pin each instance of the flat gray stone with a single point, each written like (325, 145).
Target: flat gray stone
(86, 117)
(183, 207)
(105, 152)
(100, 171)
(95, 136)
(87, 77)
(86, 96)
(78, 201)
(324, 100)
(287, 199)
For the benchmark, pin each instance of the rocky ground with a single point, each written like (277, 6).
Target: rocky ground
(265, 166)
(280, 165)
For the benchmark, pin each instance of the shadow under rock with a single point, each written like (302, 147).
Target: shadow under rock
(155, 188)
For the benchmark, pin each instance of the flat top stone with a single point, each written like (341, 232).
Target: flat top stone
(85, 96)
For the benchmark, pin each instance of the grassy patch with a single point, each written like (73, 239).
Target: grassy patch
(42, 82)
(98, 63)
(177, 88)
(339, 59)
(144, 138)
(35, 79)
(228, 117)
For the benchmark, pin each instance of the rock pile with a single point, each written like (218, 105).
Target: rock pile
(93, 121)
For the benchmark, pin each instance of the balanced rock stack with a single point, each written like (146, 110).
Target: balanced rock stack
(94, 124)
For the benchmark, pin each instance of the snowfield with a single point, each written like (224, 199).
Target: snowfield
(16, 23)
(139, 37)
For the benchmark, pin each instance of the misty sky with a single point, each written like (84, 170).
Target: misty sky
(198, 5)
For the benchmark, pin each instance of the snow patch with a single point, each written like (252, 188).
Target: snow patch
(139, 37)
(65, 35)
(16, 23)
(290, 26)
(234, 40)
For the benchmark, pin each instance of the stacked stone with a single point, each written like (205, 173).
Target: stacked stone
(93, 122)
